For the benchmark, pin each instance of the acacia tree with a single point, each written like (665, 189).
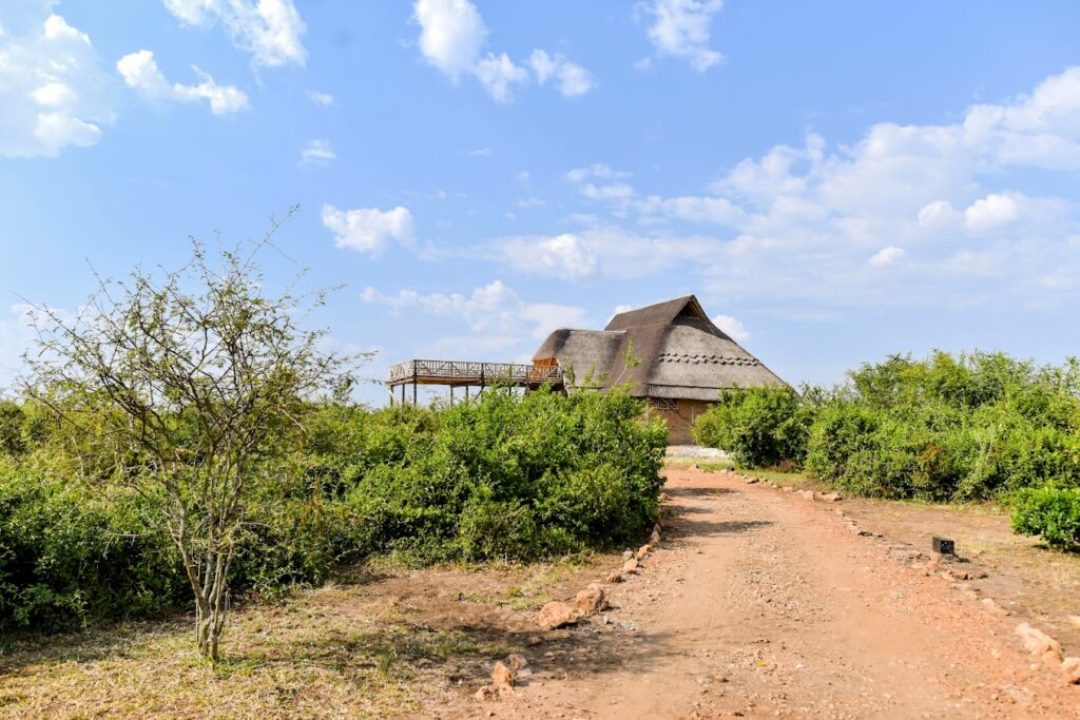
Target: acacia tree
(185, 386)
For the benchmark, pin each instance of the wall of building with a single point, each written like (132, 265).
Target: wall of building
(680, 418)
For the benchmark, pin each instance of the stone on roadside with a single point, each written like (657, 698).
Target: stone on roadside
(516, 662)
(654, 539)
(589, 601)
(556, 614)
(831, 496)
(485, 693)
(627, 554)
(1039, 644)
(614, 577)
(1075, 620)
(643, 551)
(630, 567)
(1070, 668)
(751, 480)
(501, 675)
(788, 488)
(807, 495)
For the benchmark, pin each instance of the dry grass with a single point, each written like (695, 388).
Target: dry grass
(401, 643)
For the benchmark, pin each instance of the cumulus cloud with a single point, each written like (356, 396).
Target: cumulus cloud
(141, 73)
(269, 31)
(565, 256)
(681, 28)
(53, 91)
(572, 79)
(368, 229)
(494, 311)
(955, 203)
(317, 153)
(731, 327)
(992, 211)
(453, 39)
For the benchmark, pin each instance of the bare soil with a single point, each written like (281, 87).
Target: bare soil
(758, 603)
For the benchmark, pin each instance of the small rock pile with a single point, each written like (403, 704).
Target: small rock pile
(1048, 651)
(503, 677)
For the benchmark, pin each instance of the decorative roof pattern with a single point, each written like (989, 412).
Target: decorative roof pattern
(701, 359)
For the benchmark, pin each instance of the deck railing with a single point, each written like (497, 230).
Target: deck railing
(453, 372)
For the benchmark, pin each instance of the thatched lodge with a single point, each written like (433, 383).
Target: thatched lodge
(669, 353)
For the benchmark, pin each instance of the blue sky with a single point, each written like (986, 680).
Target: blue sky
(835, 180)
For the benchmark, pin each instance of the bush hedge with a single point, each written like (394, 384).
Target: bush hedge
(970, 427)
(1053, 513)
(505, 477)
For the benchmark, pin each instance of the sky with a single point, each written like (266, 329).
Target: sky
(836, 181)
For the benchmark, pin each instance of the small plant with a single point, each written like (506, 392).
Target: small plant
(1052, 513)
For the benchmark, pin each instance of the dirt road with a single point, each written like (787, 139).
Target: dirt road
(761, 603)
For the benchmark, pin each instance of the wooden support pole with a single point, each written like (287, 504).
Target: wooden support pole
(415, 385)
(451, 396)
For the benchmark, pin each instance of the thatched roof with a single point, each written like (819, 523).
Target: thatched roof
(677, 353)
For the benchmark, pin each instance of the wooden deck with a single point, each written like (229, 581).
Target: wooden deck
(455, 373)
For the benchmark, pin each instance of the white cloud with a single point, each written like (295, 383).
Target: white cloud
(452, 35)
(493, 311)
(453, 38)
(315, 153)
(681, 28)
(368, 229)
(322, 99)
(732, 327)
(992, 211)
(498, 74)
(573, 80)
(938, 214)
(564, 256)
(887, 256)
(805, 222)
(53, 91)
(141, 73)
(269, 31)
(611, 189)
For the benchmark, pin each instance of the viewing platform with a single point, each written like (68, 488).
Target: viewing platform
(455, 374)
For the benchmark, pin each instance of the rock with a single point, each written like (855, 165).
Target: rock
(485, 693)
(751, 480)
(788, 488)
(831, 497)
(589, 601)
(501, 675)
(654, 539)
(807, 495)
(993, 607)
(1039, 644)
(534, 640)
(664, 497)
(1075, 620)
(614, 577)
(630, 567)
(627, 554)
(556, 614)
(656, 527)
(643, 551)
(516, 662)
(1070, 668)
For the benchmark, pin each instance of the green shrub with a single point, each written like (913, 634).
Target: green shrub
(1052, 513)
(760, 426)
(970, 427)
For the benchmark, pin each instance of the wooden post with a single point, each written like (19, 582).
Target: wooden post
(451, 396)
(414, 386)
(466, 394)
